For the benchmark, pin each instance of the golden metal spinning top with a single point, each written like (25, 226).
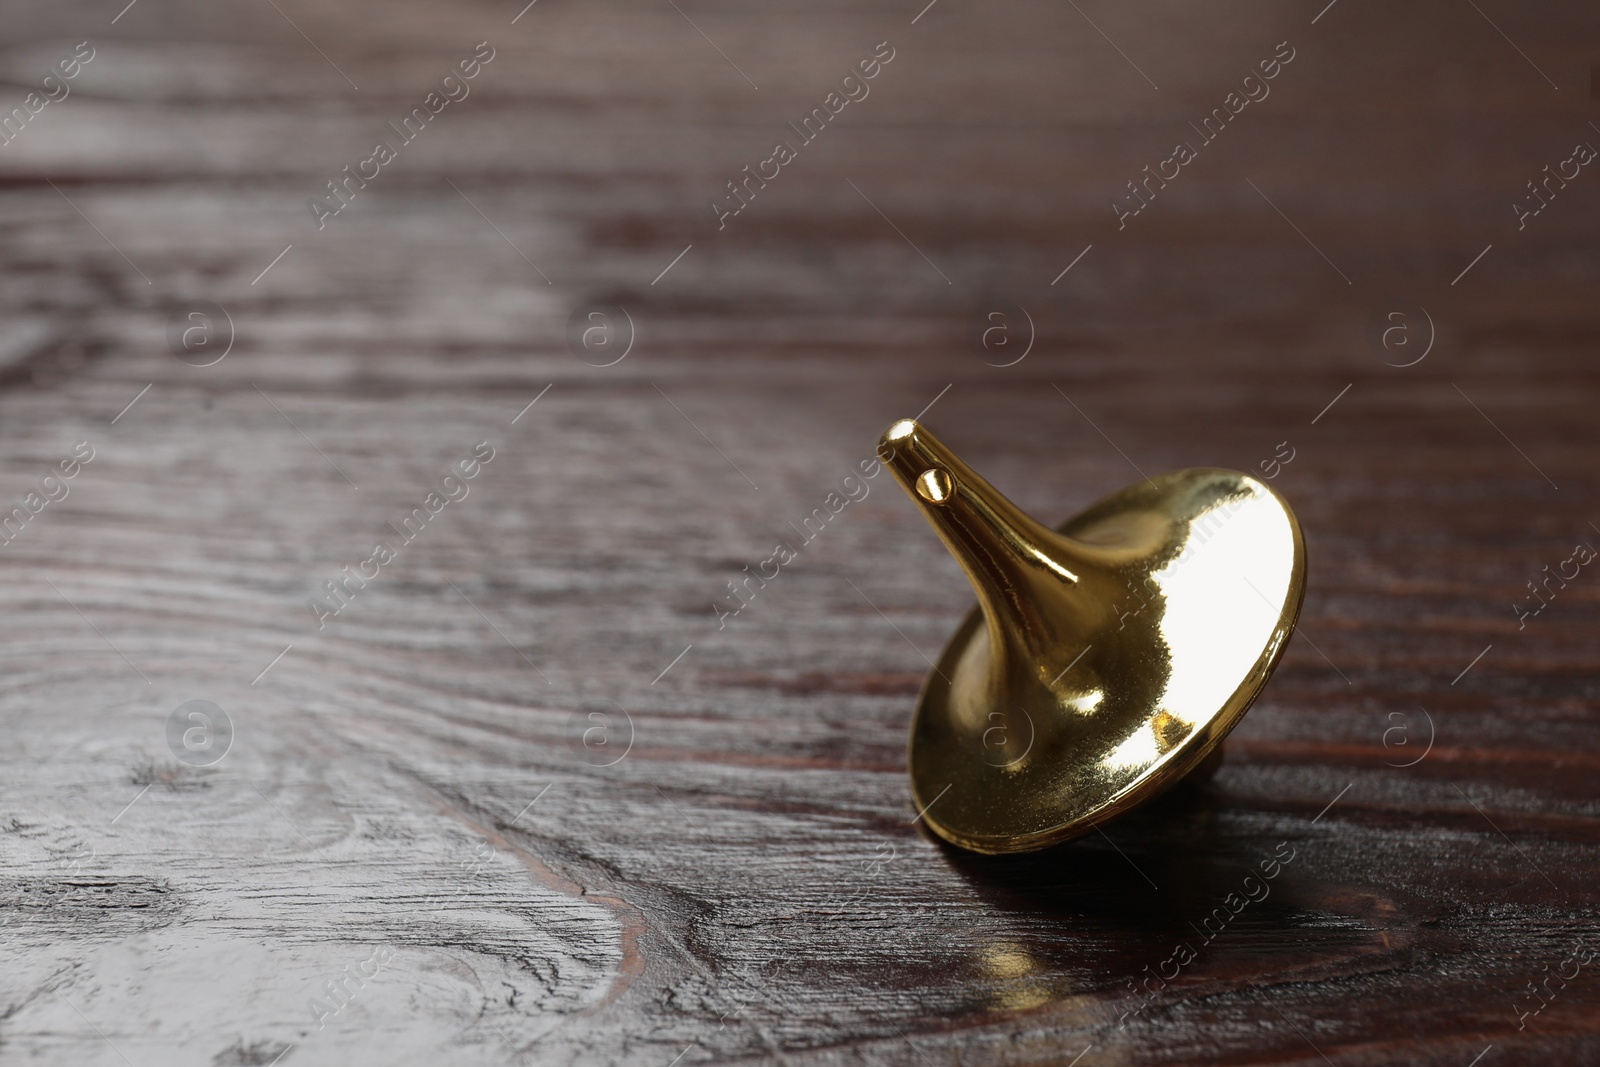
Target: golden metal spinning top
(1104, 662)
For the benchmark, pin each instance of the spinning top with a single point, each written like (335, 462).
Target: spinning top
(1105, 660)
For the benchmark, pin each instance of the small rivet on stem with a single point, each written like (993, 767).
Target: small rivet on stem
(935, 485)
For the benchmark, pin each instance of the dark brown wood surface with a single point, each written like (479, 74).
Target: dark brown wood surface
(523, 799)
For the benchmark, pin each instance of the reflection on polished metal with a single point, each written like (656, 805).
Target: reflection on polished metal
(1104, 662)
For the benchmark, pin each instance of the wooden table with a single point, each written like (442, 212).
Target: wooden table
(522, 798)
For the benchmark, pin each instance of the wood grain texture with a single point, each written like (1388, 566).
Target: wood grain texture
(420, 787)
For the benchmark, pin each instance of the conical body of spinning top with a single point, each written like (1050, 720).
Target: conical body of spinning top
(1105, 661)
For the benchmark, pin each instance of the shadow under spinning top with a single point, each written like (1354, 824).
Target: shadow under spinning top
(1104, 662)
